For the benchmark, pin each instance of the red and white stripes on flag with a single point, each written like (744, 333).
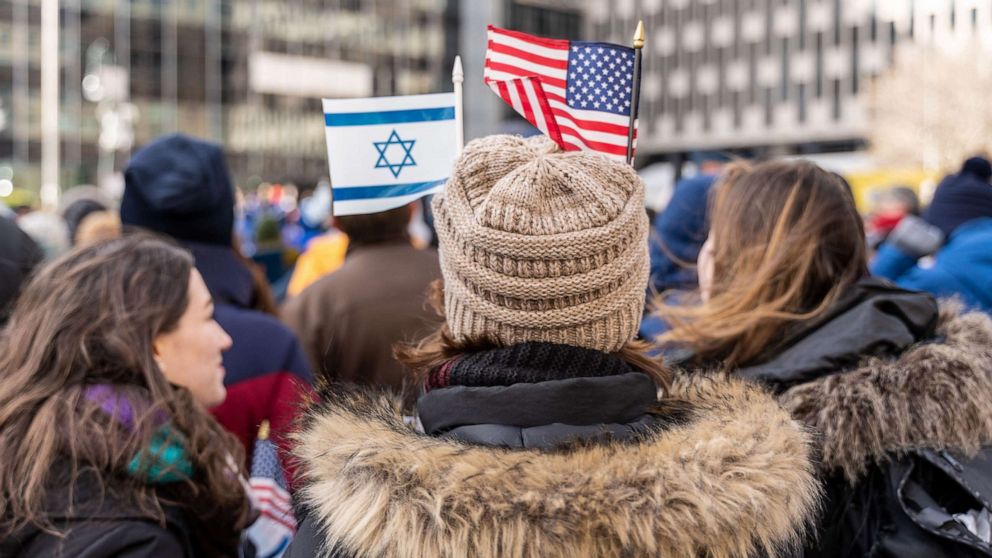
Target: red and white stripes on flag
(577, 93)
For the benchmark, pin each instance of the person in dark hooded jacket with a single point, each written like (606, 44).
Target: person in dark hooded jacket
(543, 431)
(896, 385)
(179, 186)
(19, 255)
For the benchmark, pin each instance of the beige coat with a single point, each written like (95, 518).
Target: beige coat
(349, 320)
(731, 478)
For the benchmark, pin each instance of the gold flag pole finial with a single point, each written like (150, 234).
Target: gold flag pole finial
(263, 430)
(635, 93)
(639, 35)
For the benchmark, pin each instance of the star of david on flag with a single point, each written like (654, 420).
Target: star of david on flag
(405, 158)
(385, 152)
(577, 93)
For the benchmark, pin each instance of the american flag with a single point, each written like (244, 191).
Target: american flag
(272, 532)
(578, 93)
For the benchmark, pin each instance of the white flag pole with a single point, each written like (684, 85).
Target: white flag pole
(457, 77)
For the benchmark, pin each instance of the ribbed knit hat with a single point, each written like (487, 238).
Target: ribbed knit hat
(542, 245)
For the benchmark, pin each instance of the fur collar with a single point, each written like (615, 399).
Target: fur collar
(732, 478)
(936, 395)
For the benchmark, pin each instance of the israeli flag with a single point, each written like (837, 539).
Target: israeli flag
(385, 152)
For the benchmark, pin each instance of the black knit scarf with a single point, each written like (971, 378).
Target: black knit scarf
(529, 362)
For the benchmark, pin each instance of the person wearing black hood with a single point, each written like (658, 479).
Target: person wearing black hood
(179, 186)
(957, 230)
(19, 255)
(896, 385)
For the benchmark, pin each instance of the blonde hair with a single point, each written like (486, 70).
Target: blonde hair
(97, 227)
(788, 241)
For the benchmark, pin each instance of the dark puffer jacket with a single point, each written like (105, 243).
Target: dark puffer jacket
(898, 392)
(546, 450)
(95, 526)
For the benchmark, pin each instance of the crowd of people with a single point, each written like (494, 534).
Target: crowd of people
(760, 371)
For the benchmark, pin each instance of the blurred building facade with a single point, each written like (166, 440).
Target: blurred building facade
(248, 73)
(784, 76)
(485, 113)
(780, 76)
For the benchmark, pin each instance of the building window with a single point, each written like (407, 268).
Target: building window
(752, 69)
(801, 93)
(855, 56)
(707, 112)
(736, 99)
(912, 19)
(836, 99)
(769, 107)
(837, 22)
(785, 70)
(802, 25)
(769, 33)
(819, 64)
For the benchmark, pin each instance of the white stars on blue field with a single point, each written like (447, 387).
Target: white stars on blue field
(600, 77)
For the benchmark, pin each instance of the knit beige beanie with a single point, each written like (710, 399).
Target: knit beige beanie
(542, 245)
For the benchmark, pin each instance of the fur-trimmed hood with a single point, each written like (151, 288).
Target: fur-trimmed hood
(936, 394)
(732, 477)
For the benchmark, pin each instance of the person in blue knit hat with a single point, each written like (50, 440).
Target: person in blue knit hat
(180, 186)
(956, 230)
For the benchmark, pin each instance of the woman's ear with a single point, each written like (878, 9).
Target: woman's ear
(157, 352)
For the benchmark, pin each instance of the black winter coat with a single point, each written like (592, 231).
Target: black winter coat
(112, 526)
(898, 391)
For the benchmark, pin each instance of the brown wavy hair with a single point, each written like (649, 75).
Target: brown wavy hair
(788, 241)
(440, 346)
(90, 318)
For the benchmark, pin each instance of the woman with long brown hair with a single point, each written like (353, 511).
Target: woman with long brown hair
(543, 432)
(107, 366)
(896, 386)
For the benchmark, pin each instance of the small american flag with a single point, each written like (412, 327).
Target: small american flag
(578, 93)
(275, 527)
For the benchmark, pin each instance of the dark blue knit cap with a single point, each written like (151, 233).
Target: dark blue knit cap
(180, 186)
(962, 197)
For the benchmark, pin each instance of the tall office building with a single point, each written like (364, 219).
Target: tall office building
(785, 75)
(247, 73)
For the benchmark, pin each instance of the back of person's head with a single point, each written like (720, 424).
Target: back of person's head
(962, 197)
(710, 162)
(180, 186)
(979, 167)
(97, 227)
(539, 245)
(897, 200)
(374, 228)
(786, 240)
(76, 212)
(82, 383)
